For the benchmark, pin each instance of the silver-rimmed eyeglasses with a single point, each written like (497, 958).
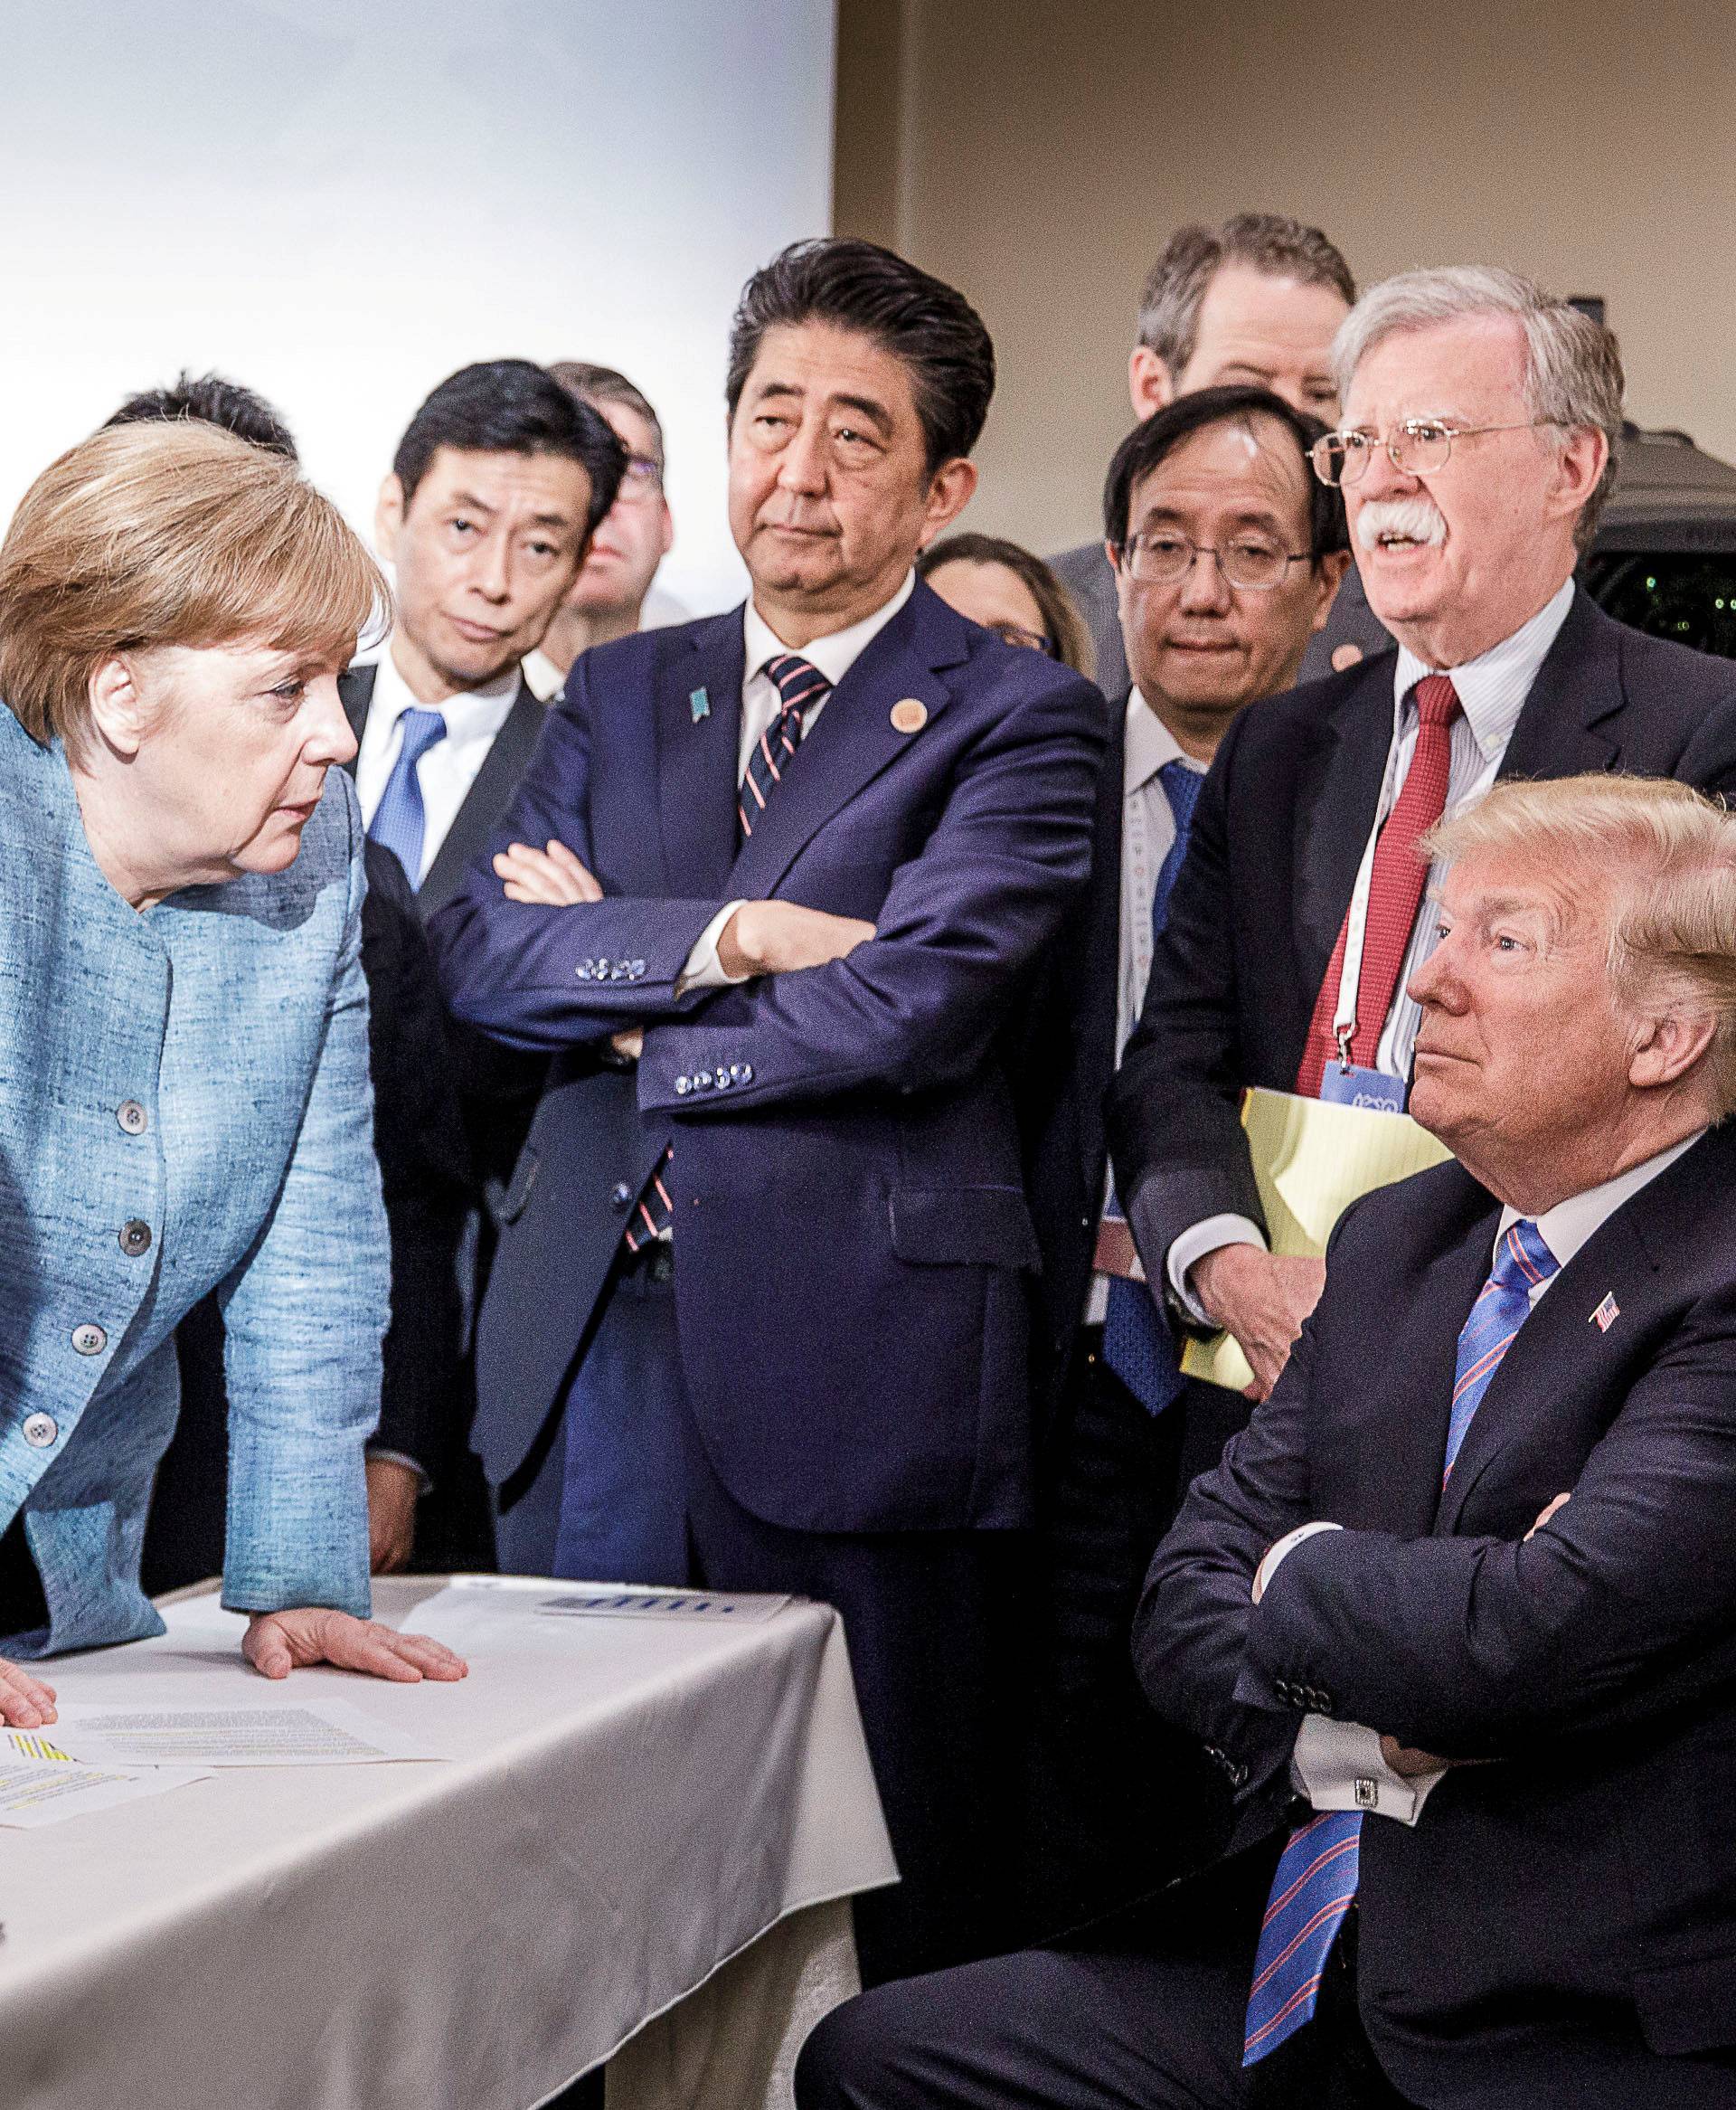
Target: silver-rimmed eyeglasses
(1163, 558)
(1420, 447)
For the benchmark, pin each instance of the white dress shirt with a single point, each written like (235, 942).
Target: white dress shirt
(833, 657)
(1147, 834)
(545, 678)
(1491, 689)
(446, 772)
(1339, 1765)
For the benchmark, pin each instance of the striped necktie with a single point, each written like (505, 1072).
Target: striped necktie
(1394, 893)
(800, 686)
(1317, 1875)
(1137, 1345)
(399, 822)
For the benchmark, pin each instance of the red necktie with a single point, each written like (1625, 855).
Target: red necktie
(1395, 893)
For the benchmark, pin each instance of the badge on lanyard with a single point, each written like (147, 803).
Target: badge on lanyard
(1355, 1086)
(1344, 1083)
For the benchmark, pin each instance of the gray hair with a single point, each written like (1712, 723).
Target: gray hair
(1268, 242)
(1664, 856)
(1573, 375)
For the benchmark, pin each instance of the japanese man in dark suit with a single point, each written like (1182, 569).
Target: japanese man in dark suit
(770, 895)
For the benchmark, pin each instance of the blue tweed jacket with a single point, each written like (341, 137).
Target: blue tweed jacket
(184, 1104)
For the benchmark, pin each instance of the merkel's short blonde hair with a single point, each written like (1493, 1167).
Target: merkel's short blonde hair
(1663, 857)
(169, 534)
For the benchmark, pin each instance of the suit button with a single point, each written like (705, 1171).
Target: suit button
(723, 1080)
(620, 1196)
(582, 971)
(747, 1073)
(702, 1080)
(89, 1340)
(132, 1117)
(683, 1085)
(637, 970)
(40, 1430)
(134, 1238)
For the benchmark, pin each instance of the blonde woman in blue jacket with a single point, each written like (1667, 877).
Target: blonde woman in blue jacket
(184, 1074)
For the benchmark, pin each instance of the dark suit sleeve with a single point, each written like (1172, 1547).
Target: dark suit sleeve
(1176, 1133)
(1470, 1647)
(1709, 760)
(513, 968)
(1189, 1636)
(962, 927)
(424, 1174)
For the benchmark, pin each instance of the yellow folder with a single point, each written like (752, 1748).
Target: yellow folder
(1311, 1160)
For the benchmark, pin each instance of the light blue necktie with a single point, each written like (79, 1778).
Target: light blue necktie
(399, 822)
(1317, 1875)
(1137, 1342)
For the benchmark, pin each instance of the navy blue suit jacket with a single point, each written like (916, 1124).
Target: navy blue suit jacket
(1560, 1927)
(851, 1222)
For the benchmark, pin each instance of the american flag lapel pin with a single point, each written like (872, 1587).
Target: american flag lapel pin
(1607, 1313)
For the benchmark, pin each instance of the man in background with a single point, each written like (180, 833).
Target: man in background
(607, 599)
(1256, 303)
(1480, 417)
(1227, 551)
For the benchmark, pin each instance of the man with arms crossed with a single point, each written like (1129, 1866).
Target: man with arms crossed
(1480, 414)
(1464, 1585)
(1252, 304)
(771, 893)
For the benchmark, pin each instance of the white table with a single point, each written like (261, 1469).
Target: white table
(630, 1805)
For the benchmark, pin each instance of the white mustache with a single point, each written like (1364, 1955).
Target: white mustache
(1418, 518)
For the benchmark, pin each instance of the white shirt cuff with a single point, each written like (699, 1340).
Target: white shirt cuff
(1282, 1549)
(1338, 1766)
(1193, 1244)
(704, 968)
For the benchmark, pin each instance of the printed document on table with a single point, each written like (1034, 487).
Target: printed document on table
(476, 1611)
(314, 1730)
(36, 1793)
(1312, 1159)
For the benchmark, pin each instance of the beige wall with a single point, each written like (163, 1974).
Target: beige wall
(1037, 154)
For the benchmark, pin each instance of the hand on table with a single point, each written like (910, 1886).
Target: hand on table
(25, 1702)
(781, 937)
(1261, 1299)
(277, 1642)
(552, 878)
(394, 1488)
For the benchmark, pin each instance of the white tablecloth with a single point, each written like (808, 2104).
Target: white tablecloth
(628, 1808)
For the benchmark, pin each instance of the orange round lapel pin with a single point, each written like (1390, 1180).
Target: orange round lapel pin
(910, 715)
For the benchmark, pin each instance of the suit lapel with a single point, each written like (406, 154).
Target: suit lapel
(355, 693)
(487, 798)
(698, 730)
(1558, 1338)
(1572, 718)
(854, 739)
(1338, 792)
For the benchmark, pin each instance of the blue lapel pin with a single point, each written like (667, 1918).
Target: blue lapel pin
(701, 704)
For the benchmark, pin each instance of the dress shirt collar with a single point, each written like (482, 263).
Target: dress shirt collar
(833, 655)
(545, 677)
(1492, 688)
(473, 713)
(1150, 745)
(1570, 1224)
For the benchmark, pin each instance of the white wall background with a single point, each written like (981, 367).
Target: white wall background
(339, 202)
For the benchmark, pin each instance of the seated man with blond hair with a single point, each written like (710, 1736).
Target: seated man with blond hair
(1458, 1611)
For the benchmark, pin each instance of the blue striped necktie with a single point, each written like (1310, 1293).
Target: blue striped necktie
(399, 822)
(1317, 1875)
(1137, 1342)
(799, 687)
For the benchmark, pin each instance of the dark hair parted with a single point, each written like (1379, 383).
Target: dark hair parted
(1063, 625)
(510, 406)
(1159, 435)
(212, 401)
(1268, 242)
(859, 286)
